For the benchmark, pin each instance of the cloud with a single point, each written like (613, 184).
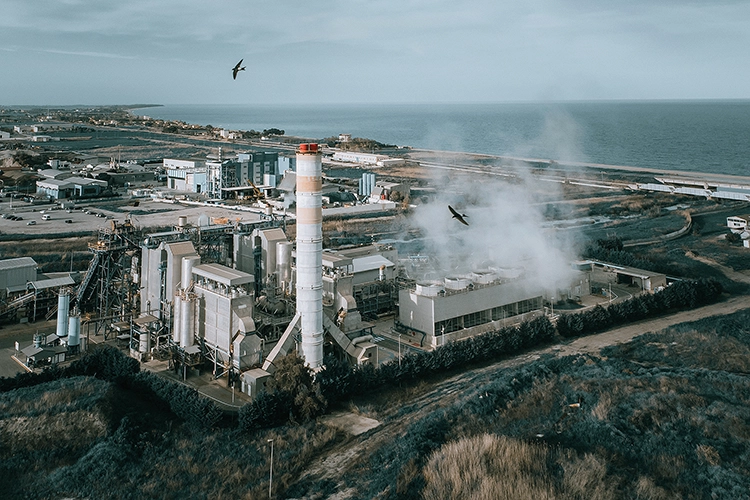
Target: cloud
(87, 54)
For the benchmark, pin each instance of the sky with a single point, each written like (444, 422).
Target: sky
(67, 52)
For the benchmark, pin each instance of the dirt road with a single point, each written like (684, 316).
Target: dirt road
(444, 393)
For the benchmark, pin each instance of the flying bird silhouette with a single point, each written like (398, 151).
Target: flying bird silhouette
(459, 217)
(237, 69)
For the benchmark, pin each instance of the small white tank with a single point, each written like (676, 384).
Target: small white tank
(187, 269)
(177, 322)
(182, 221)
(74, 331)
(187, 318)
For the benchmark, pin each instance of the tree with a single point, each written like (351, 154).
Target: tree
(296, 379)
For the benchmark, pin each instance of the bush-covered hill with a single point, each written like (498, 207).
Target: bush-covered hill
(664, 416)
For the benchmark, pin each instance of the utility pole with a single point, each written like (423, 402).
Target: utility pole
(270, 474)
(399, 350)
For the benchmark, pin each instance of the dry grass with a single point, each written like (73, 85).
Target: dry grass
(76, 429)
(586, 477)
(488, 467)
(646, 489)
(497, 467)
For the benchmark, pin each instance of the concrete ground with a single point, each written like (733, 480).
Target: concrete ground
(148, 213)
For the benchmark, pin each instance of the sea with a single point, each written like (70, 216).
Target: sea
(711, 136)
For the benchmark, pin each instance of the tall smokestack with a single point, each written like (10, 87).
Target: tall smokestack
(310, 252)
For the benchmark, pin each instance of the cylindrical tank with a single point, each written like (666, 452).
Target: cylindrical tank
(269, 180)
(284, 261)
(182, 221)
(428, 288)
(310, 253)
(186, 275)
(187, 318)
(177, 323)
(39, 340)
(381, 273)
(63, 310)
(74, 331)
(268, 210)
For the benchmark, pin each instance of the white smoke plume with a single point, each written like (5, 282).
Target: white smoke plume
(507, 226)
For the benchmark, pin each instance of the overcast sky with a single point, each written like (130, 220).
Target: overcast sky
(366, 51)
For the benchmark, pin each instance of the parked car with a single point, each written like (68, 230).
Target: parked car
(31, 223)
(18, 217)
(69, 221)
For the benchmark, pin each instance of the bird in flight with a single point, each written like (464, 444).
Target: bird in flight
(459, 217)
(237, 69)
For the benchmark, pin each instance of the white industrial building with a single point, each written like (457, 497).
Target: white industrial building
(738, 223)
(356, 157)
(462, 306)
(71, 187)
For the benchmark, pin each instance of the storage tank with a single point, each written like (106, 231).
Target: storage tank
(284, 261)
(269, 180)
(182, 221)
(176, 324)
(63, 309)
(187, 320)
(186, 275)
(74, 333)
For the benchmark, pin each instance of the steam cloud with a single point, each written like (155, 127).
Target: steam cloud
(507, 227)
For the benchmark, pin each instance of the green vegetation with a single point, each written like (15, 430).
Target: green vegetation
(660, 417)
(665, 416)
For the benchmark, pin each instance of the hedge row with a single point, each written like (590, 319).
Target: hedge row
(680, 295)
(338, 381)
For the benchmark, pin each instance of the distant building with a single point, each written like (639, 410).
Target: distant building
(384, 191)
(71, 187)
(738, 223)
(175, 163)
(345, 137)
(16, 273)
(355, 157)
(256, 165)
(4, 135)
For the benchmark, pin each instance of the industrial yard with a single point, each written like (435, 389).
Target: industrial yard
(241, 257)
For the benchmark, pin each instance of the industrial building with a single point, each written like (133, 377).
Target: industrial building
(71, 187)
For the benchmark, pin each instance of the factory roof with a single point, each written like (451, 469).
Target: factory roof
(53, 282)
(16, 263)
(370, 262)
(331, 259)
(145, 319)
(181, 248)
(223, 274)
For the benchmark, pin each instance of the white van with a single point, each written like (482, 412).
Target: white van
(46, 217)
